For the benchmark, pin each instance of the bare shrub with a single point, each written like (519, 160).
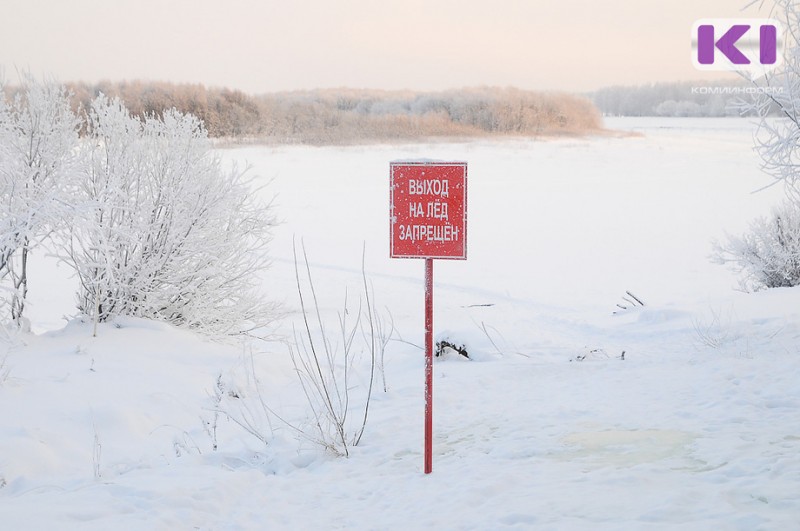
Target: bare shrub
(324, 366)
(5, 370)
(245, 407)
(335, 372)
(97, 452)
(384, 331)
(715, 332)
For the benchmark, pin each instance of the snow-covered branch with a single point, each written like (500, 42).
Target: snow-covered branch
(777, 139)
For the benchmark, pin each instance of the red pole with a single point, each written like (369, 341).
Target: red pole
(428, 365)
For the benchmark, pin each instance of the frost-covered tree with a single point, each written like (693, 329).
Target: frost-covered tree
(168, 232)
(778, 139)
(769, 254)
(39, 153)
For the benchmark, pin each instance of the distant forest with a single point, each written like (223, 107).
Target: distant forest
(673, 99)
(347, 116)
(343, 116)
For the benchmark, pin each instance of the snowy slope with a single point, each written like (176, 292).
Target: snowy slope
(696, 428)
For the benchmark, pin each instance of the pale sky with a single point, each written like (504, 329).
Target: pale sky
(265, 45)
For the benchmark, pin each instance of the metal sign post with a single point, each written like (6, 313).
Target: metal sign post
(428, 220)
(428, 365)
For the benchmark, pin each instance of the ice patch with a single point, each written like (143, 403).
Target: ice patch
(625, 448)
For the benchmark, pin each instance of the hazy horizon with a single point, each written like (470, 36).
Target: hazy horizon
(261, 47)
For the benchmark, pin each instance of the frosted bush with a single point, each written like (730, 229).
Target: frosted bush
(769, 253)
(166, 232)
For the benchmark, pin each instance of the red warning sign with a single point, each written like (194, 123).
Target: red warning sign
(428, 210)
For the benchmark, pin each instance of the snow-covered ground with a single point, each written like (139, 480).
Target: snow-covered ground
(546, 428)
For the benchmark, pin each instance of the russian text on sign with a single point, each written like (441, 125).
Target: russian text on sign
(429, 187)
(429, 233)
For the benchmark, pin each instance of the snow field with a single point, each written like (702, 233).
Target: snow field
(696, 428)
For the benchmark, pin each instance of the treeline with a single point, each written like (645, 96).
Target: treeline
(340, 116)
(718, 98)
(224, 112)
(332, 116)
